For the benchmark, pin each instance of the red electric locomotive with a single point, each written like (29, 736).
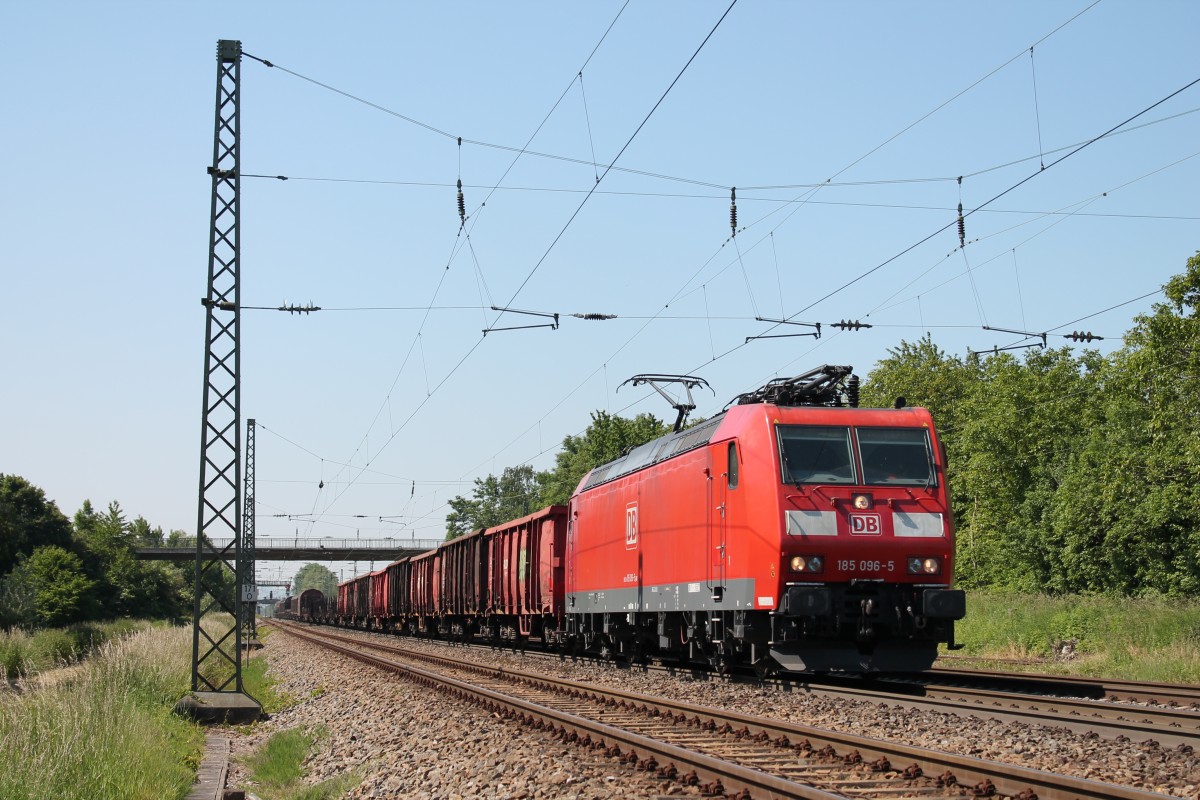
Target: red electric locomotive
(793, 530)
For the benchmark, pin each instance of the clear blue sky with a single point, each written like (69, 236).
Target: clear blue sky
(108, 130)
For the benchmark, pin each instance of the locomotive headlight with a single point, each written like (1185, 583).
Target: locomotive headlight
(806, 564)
(924, 565)
(863, 502)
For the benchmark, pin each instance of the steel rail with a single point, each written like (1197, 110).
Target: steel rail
(1135, 691)
(1168, 726)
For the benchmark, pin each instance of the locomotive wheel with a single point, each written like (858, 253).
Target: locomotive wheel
(765, 667)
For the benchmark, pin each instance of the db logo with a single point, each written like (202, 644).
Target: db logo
(631, 526)
(865, 525)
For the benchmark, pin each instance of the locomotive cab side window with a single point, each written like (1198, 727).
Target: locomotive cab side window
(732, 473)
(896, 456)
(815, 454)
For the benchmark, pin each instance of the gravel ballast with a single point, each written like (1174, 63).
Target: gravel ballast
(405, 741)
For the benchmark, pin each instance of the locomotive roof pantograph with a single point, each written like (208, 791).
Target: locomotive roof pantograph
(833, 386)
(687, 381)
(827, 385)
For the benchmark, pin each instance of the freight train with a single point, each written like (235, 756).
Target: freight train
(793, 531)
(310, 605)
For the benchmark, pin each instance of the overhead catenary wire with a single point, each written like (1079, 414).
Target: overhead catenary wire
(996, 197)
(556, 239)
(666, 316)
(831, 184)
(772, 200)
(1063, 215)
(621, 152)
(387, 398)
(1011, 188)
(922, 325)
(712, 257)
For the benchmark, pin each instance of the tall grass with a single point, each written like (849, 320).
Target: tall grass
(24, 654)
(106, 731)
(1155, 639)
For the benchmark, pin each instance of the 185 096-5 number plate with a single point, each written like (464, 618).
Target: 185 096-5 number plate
(865, 565)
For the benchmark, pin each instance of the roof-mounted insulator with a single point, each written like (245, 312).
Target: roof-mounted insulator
(462, 203)
(733, 211)
(962, 224)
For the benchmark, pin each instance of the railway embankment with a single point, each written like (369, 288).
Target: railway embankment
(105, 730)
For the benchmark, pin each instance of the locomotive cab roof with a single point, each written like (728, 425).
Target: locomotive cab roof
(829, 386)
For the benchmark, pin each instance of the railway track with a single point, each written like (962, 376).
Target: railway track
(723, 752)
(1118, 710)
(1162, 694)
(1169, 726)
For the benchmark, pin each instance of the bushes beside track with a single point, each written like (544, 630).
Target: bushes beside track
(1151, 638)
(104, 728)
(23, 654)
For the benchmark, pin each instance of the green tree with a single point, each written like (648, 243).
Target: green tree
(1009, 427)
(1018, 428)
(1130, 518)
(315, 576)
(123, 585)
(18, 599)
(494, 500)
(924, 375)
(59, 586)
(27, 521)
(1071, 472)
(143, 535)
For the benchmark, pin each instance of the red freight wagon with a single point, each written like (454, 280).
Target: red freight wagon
(360, 612)
(312, 605)
(787, 531)
(423, 589)
(399, 600)
(463, 589)
(345, 602)
(525, 593)
(378, 587)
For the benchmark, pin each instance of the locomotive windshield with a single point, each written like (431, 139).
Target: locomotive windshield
(886, 456)
(813, 454)
(895, 456)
